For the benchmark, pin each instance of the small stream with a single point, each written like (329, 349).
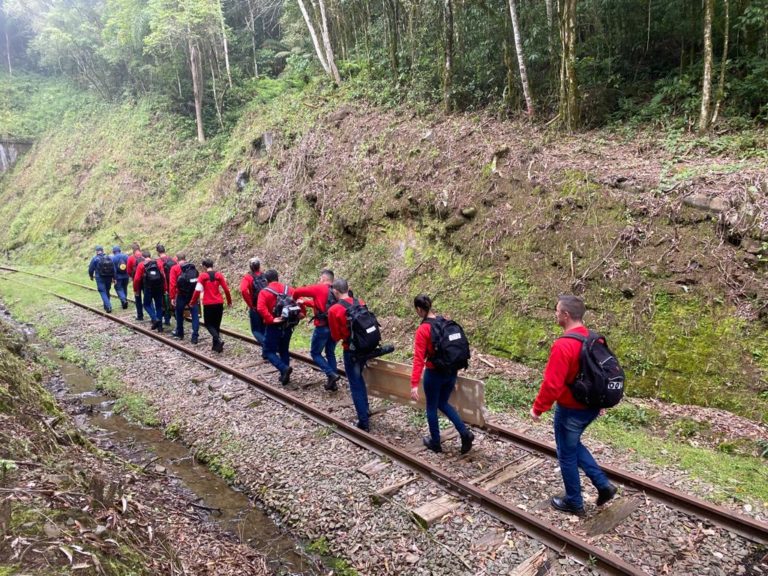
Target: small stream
(237, 515)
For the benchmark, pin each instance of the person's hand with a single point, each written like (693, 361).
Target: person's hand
(534, 416)
(277, 320)
(91, 278)
(173, 302)
(602, 412)
(415, 394)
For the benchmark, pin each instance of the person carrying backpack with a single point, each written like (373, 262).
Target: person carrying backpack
(571, 416)
(167, 263)
(440, 350)
(209, 286)
(323, 298)
(281, 313)
(149, 279)
(250, 287)
(133, 262)
(102, 269)
(121, 275)
(344, 328)
(181, 287)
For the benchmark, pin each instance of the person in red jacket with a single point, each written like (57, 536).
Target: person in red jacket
(277, 334)
(322, 299)
(250, 287)
(209, 286)
(149, 278)
(168, 263)
(571, 417)
(133, 261)
(181, 290)
(337, 322)
(438, 386)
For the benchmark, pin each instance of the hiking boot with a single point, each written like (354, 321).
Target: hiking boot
(124, 304)
(431, 444)
(560, 503)
(466, 441)
(108, 310)
(194, 340)
(160, 327)
(285, 376)
(365, 427)
(332, 385)
(606, 494)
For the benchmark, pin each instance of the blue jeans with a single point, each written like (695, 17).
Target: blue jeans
(139, 306)
(357, 389)
(570, 424)
(181, 304)
(257, 325)
(153, 304)
(437, 389)
(103, 284)
(322, 342)
(121, 287)
(276, 342)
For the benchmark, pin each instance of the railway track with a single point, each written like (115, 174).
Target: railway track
(541, 530)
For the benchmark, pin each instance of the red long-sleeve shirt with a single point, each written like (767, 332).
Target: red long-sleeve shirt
(562, 367)
(210, 289)
(246, 290)
(173, 281)
(422, 350)
(266, 302)
(319, 294)
(138, 277)
(337, 322)
(132, 263)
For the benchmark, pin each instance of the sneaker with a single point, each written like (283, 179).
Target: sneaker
(194, 340)
(365, 427)
(176, 336)
(332, 385)
(220, 347)
(285, 377)
(108, 310)
(466, 441)
(606, 494)
(124, 304)
(560, 503)
(431, 444)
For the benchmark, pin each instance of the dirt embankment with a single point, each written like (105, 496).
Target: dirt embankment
(67, 507)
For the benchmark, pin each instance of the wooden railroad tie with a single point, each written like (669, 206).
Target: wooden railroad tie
(373, 467)
(611, 516)
(378, 497)
(536, 565)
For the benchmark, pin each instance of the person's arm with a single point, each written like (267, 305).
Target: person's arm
(226, 289)
(137, 278)
(263, 307)
(423, 334)
(198, 291)
(553, 382)
(245, 291)
(91, 268)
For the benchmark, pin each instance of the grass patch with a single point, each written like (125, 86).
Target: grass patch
(137, 408)
(503, 395)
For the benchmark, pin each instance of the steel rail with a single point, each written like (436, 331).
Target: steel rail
(557, 539)
(745, 526)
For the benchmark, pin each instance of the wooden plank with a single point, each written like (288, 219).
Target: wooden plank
(536, 565)
(373, 467)
(612, 516)
(429, 513)
(512, 472)
(392, 381)
(378, 497)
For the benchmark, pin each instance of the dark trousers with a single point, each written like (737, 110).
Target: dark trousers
(323, 343)
(357, 389)
(103, 285)
(181, 305)
(153, 304)
(121, 287)
(139, 306)
(437, 390)
(257, 325)
(277, 340)
(212, 314)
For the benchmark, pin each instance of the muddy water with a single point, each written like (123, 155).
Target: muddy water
(229, 508)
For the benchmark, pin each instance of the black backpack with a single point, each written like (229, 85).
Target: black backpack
(364, 333)
(330, 301)
(286, 308)
(187, 280)
(153, 278)
(106, 267)
(168, 263)
(600, 381)
(259, 283)
(450, 344)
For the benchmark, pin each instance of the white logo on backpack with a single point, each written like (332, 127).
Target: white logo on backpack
(452, 337)
(371, 329)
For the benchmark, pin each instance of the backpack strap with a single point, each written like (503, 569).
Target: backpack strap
(271, 291)
(571, 336)
(346, 304)
(212, 276)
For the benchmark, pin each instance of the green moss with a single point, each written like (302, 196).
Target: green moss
(173, 431)
(503, 395)
(138, 409)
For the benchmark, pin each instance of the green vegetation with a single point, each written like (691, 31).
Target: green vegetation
(321, 548)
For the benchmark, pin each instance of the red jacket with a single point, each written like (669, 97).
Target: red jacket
(173, 281)
(422, 350)
(562, 367)
(132, 262)
(138, 277)
(210, 289)
(266, 302)
(246, 289)
(337, 322)
(319, 294)
(163, 259)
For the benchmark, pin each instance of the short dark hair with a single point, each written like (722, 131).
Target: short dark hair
(423, 301)
(146, 253)
(207, 263)
(271, 275)
(254, 264)
(135, 246)
(341, 285)
(327, 272)
(160, 249)
(181, 256)
(573, 305)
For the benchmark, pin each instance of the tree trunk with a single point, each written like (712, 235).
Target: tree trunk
(8, 46)
(216, 95)
(252, 28)
(706, 89)
(550, 27)
(521, 58)
(226, 46)
(313, 35)
(448, 55)
(327, 43)
(723, 62)
(569, 96)
(197, 85)
(393, 16)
